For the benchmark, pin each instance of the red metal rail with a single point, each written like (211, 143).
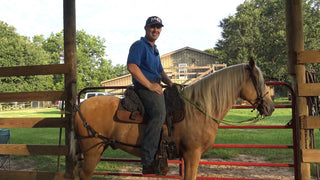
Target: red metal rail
(180, 162)
(252, 146)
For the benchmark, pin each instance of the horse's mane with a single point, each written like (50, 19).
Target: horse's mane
(218, 91)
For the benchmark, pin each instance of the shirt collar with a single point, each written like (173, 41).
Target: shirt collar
(147, 42)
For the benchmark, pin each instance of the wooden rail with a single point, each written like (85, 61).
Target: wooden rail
(311, 155)
(309, 89)
(33, 96)
(32, 175)
(28, 149)
(33, 122)
(34, 70)
(310, 122)
(304, 57)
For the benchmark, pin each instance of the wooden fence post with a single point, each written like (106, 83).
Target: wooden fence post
(295, 43)
(69, 22)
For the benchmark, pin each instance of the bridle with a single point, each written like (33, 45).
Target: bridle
(258, 104)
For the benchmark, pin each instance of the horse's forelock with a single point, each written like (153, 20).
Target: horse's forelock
(260, 80)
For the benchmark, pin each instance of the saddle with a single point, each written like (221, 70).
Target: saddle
(131, 110)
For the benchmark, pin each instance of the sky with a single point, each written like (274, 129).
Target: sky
(121, 22)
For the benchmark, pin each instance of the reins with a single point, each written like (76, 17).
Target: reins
(252, 120)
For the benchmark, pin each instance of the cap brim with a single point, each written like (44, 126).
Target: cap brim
(154, 24)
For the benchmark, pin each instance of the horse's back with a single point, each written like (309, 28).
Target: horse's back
(98, 111)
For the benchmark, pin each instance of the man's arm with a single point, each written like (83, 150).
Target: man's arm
(138, 75)
(166, 79)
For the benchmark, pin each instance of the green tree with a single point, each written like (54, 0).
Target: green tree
(311, 24)
(92, 66)
(258, 30)
(16, 50)
(53, 45)
(312, 31)
(120, 70)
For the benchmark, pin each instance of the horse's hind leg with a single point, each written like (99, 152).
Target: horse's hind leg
(91, 159)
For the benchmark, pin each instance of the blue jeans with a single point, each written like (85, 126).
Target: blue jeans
(155, 108)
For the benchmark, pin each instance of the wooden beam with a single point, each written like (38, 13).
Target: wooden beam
(301, 134)
(26, 149)
(203, 74)
(295, 43)
(309, 89)
(32, 175)
(33, 96)
(308, 57)
(34, 70)
(32, 122)
(187, 73)
(311, 155)
(198, 67)
(70, 55)
(310, 122)
(294, 28)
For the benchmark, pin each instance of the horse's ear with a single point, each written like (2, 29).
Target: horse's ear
(251, 63)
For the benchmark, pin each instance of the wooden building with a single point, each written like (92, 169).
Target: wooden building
(186, 65)
(183, 66)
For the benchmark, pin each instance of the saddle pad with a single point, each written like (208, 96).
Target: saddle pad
(122, 115)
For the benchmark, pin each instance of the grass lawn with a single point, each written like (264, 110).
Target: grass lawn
(224, 136)
(43, 136)
(256, 137)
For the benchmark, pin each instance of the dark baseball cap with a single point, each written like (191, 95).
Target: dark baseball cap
(154, 20)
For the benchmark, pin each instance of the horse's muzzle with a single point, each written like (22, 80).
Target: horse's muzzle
(265, 109)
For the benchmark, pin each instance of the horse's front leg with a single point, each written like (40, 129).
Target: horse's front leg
(191, 164)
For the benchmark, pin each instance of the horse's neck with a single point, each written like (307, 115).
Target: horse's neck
(217, 93)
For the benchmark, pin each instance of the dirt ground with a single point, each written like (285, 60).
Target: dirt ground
(223, 171)
(218, 171)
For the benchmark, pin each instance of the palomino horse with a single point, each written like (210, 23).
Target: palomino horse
(195, 135)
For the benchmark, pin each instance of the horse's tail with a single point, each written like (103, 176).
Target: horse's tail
(73, 140)
(73, 145)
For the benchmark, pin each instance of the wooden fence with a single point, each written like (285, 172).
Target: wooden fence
(25, 149)
(306, 122)
(68, 95)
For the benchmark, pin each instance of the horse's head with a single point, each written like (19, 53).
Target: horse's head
(256, 92)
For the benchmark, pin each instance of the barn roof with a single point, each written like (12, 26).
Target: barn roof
(191, 49)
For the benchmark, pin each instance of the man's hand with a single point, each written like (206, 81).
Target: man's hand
(156, 88)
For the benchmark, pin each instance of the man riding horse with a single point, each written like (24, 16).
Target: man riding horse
(147, 72)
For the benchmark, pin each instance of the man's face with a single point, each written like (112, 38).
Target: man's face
(153, 32)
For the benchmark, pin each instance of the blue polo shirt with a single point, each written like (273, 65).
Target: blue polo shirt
(142, 54)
